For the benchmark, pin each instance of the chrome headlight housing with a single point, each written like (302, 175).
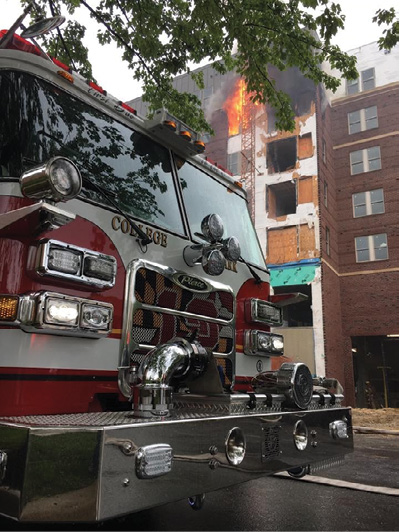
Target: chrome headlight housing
(64, 261)
(55, 313)
(261, 343)
(58, 179)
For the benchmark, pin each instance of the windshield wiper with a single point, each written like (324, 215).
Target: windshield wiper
(143, 238)
(257, 278)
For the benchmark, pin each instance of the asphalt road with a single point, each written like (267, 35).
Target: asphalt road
(282, 504)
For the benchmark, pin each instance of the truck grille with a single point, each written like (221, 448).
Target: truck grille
(163, 310)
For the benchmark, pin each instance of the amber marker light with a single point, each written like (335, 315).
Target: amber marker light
(8, 308)
(199, 145)
(170, 125)
(186, 135)
(65, 75)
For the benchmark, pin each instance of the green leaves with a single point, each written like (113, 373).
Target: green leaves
(160, 39)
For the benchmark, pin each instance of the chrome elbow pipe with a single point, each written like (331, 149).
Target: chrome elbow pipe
(175, 359)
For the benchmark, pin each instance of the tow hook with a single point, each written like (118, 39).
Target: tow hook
(197, 501)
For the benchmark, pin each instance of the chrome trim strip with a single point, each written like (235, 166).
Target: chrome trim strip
(184, 314)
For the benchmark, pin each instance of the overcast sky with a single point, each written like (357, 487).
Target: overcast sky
(113, 76)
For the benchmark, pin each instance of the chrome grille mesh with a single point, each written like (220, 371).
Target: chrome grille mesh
(163, 309)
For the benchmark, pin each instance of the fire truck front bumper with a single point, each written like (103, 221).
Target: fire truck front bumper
(96, 466)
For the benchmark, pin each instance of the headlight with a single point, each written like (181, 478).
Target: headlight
(263, 343)
(260, 311)
(61, 312)
(95, 317)
(55, 313)
(58, 179)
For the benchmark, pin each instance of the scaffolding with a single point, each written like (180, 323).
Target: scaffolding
(248, 150)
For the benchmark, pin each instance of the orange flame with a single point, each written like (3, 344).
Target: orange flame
(233, 107)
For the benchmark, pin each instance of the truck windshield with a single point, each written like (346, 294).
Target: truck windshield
(39, 121)
(204, 195)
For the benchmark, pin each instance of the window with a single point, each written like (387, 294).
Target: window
(115, 160)
(323, 151)
(371, 248)
(233, 163)
(282, 199)
(281, 155)
(363, 119)
(327, 241)
(352, 86)
(367, 82)
(365, 160)
(325, 194)
(368, 203)
(368, 79)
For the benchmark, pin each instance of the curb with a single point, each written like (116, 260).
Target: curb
(368, 430)
(343, 484)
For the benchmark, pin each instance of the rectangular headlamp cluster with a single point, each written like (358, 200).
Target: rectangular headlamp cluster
(259, 343)
(61, 260)
(66, 315)
(260, 311)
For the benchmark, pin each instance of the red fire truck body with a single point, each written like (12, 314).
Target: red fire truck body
(135, 314)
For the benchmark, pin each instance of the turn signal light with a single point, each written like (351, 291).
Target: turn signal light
(8, 308)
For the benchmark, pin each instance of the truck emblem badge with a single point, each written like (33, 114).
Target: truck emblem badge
(194, 284)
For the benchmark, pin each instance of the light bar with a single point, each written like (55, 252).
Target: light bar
(53, 258)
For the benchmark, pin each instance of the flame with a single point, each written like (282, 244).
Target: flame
(233, 107)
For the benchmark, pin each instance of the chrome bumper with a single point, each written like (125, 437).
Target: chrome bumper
(82, 467)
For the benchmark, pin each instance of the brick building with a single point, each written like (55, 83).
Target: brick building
(324, 200)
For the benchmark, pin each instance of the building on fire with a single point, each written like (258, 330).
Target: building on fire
(324, 200)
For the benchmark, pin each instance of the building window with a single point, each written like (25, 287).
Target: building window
(327, 241)
(325, 194)
(371, 248)
(368, 203)
(352, 86)
(282, 199)
(367, 82)
(363, 119)
(233, 162)
(281, 155)
(365, 160)
(323, 151)
(368, 79)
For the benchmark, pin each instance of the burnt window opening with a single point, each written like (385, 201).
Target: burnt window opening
(281, 155)
(298, 314)
(281, 199)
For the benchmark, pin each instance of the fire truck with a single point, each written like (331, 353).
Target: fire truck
(139, 358)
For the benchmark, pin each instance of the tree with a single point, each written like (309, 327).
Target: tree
(160, 38)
